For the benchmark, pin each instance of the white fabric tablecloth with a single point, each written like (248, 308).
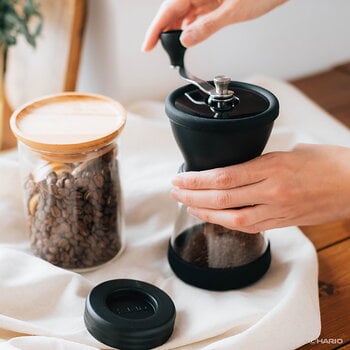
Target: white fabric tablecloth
(41, 306)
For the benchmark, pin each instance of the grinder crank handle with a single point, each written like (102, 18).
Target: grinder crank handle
(172, 45)
(176, 51)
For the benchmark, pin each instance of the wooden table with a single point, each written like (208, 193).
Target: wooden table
(331, 90)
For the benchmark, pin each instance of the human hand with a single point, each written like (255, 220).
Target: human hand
(201, 18)
(309, 185)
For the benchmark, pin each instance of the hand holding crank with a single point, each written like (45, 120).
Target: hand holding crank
(199, 19)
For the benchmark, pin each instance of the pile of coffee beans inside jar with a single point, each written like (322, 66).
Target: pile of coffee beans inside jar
(74, 211)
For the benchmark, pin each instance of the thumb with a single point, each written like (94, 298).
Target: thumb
(204, 27)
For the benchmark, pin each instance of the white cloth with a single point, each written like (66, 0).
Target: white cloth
(42, 305)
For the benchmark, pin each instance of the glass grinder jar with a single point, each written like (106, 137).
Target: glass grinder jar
(216, 124)
(69, 168)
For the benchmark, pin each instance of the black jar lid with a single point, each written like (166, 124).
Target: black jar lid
(129, 314)
(257, 107)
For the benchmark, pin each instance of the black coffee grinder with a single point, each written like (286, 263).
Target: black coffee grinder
(216, 124)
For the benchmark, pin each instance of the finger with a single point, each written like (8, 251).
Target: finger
(168, 15)
(201, 7)
(245, 220)
(268, 224)
(191, 17)
(233, 176)
(221, 199)
(234, 219)
(204, 27)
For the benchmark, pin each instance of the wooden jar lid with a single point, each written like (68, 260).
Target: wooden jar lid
(68, 122)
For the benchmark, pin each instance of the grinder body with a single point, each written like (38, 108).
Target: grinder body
(202, 254)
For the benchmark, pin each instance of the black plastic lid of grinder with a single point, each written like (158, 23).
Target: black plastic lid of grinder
(210, 139)
(129, 314)
(257, 107)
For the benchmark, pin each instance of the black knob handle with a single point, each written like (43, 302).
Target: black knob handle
(171, 43)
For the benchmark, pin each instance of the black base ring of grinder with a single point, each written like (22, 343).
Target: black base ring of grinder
(219, 279)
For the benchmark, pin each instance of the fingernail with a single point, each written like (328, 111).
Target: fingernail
(143, 47)
(178, 180)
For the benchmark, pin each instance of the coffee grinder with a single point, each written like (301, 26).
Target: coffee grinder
(216, 124)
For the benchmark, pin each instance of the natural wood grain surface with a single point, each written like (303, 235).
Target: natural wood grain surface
(51, 67)
(327, 234)
(331, 90)
(78, 103)
(76, 40)
(334, 287)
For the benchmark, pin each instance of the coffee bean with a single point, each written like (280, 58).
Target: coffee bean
(33, 203)
(98, 180)
(55, 211)
(87, 195)
(51, 178)
(73, 213)
(53, 250)
(68, 183)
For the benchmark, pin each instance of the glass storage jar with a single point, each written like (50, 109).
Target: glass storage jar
(69, 169)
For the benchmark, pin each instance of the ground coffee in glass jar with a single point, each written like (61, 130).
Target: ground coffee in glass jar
(214, 246)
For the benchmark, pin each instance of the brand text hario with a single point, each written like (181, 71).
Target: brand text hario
(327, 341)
